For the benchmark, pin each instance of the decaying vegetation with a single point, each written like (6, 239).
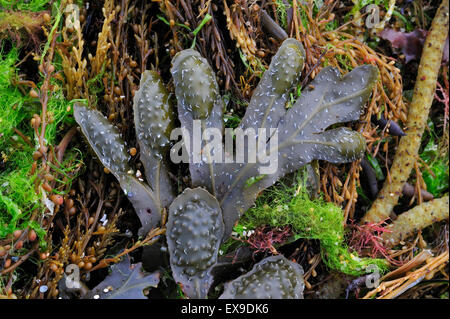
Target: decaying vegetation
(60, 207)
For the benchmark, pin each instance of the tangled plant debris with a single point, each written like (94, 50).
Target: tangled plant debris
(238, 148)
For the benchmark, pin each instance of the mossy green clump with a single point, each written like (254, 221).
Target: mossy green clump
(312, 219)
(21, 196)
(16, 185)
(437, 177)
